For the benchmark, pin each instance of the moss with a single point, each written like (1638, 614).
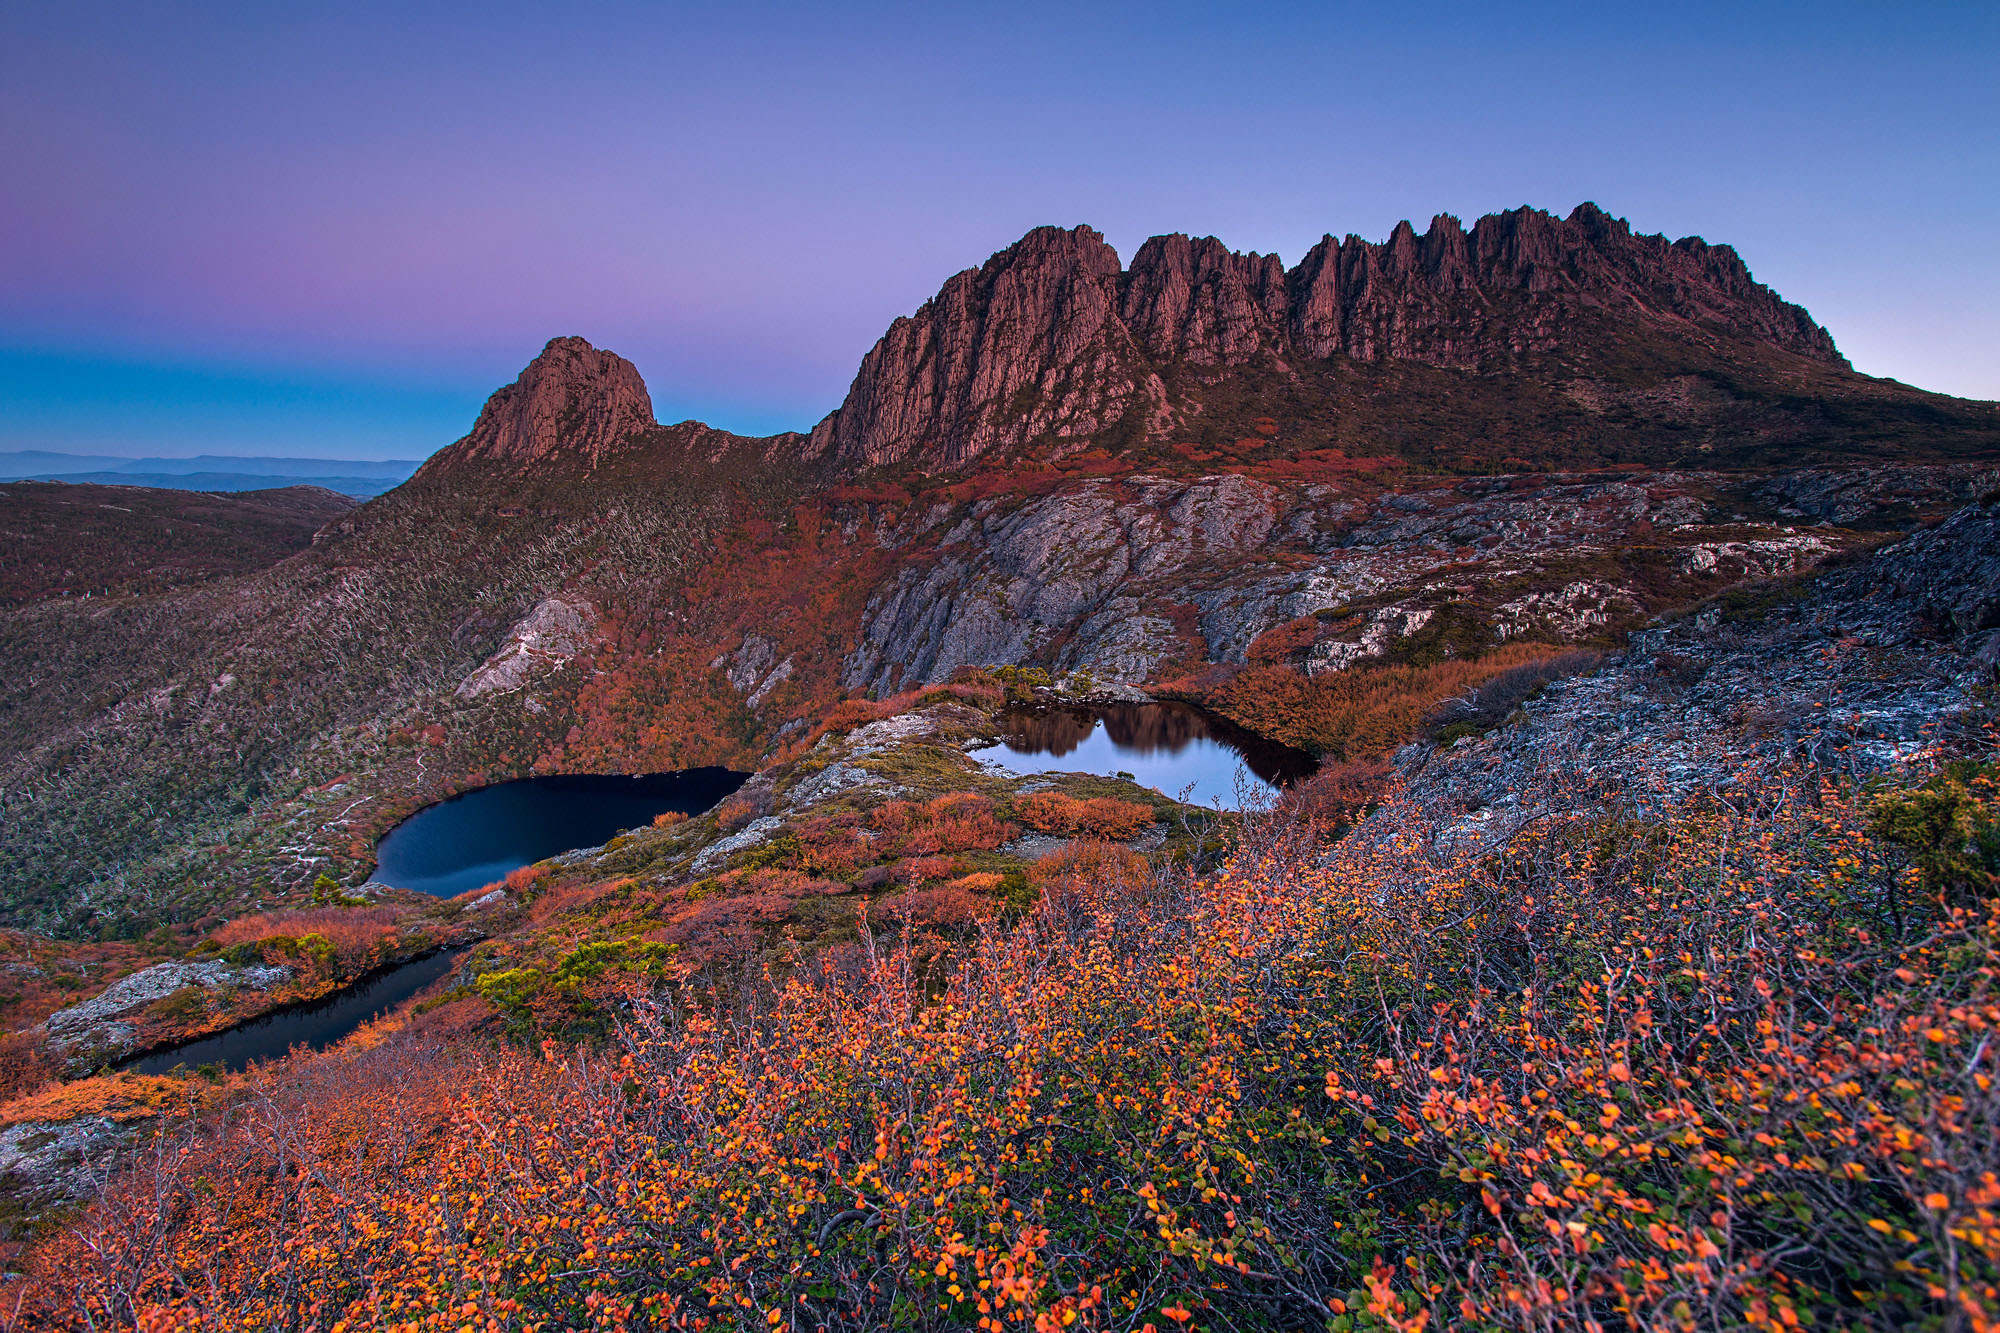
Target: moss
(931, 769)
(183, 1006)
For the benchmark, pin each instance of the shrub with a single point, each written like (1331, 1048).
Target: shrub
(1090, 872)
(1099, 816)
(943, 907)
(1340, 791)
(734, 813)
(1950, 826)
(1660, 1069)
(1353, 714)
(922, 869)
(1493, 700)
(183, 1006)
(668, 818)
(345, 939)
(25, 1065)
(955, 822)
(519, 881)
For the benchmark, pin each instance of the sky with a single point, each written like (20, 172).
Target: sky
(330, 230)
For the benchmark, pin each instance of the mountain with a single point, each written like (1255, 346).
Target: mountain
(572, 398)
(576, 409)
(1204, 474)
(1529, 340)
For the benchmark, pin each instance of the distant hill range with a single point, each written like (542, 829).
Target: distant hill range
(362, 478)
(77, 539)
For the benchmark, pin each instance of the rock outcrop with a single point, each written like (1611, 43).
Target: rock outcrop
(572, 402)
(1052, 340)
(556, 630)
(1442, 297)
(102, 1027)
(1870, 669)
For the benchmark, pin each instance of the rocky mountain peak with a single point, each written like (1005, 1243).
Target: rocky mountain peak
(572, 402)
(1052, 340)
(1029, 343)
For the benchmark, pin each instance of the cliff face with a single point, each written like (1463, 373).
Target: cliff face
(1051, 339)
(572, 402)
(1031, 344)
(1441, 297)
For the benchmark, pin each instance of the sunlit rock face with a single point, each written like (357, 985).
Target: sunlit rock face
(573, 401)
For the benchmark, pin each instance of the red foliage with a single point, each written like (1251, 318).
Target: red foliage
(1730, 1065)
(1281, 642)
(1339, 791)
(957, 822)
(1099, 816)
(359, 935)
(923, 869)
(943, 907)
(1090, 871)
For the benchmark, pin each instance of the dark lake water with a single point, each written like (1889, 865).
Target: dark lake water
(476, 838)
(1171, 747)
(317, 1024)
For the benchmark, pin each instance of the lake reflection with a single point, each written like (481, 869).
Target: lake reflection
(1170, 747)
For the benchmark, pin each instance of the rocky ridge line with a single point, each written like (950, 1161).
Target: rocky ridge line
(1053, 336)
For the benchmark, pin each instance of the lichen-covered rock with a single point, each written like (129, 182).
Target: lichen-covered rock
(93, 1025)
(557, 629)
(1946, 580)
(45, 1162)
(1130, 579)
(756, 831)
(1853, 675)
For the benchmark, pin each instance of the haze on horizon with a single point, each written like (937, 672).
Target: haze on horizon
(237, 230)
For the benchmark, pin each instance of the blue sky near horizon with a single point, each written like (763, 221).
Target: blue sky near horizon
(331, 231)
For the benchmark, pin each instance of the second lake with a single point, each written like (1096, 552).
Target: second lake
(1173, 748)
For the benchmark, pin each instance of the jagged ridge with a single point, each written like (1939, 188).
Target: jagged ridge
(1054, 337)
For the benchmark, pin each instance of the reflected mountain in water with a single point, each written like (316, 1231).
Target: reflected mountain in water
(1171, 747)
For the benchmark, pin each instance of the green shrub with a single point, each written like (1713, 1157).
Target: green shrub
(1950, 826)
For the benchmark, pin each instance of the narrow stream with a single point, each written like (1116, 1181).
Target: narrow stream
(316, 1024)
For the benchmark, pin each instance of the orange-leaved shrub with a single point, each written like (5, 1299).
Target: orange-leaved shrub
(954, 822)
(1098, 816)
(1090, 871)
(1363, 711)
(1721, 1065)
(1339, 790)
(349, 937)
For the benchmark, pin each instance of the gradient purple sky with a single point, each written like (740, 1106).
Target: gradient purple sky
(331, 230)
